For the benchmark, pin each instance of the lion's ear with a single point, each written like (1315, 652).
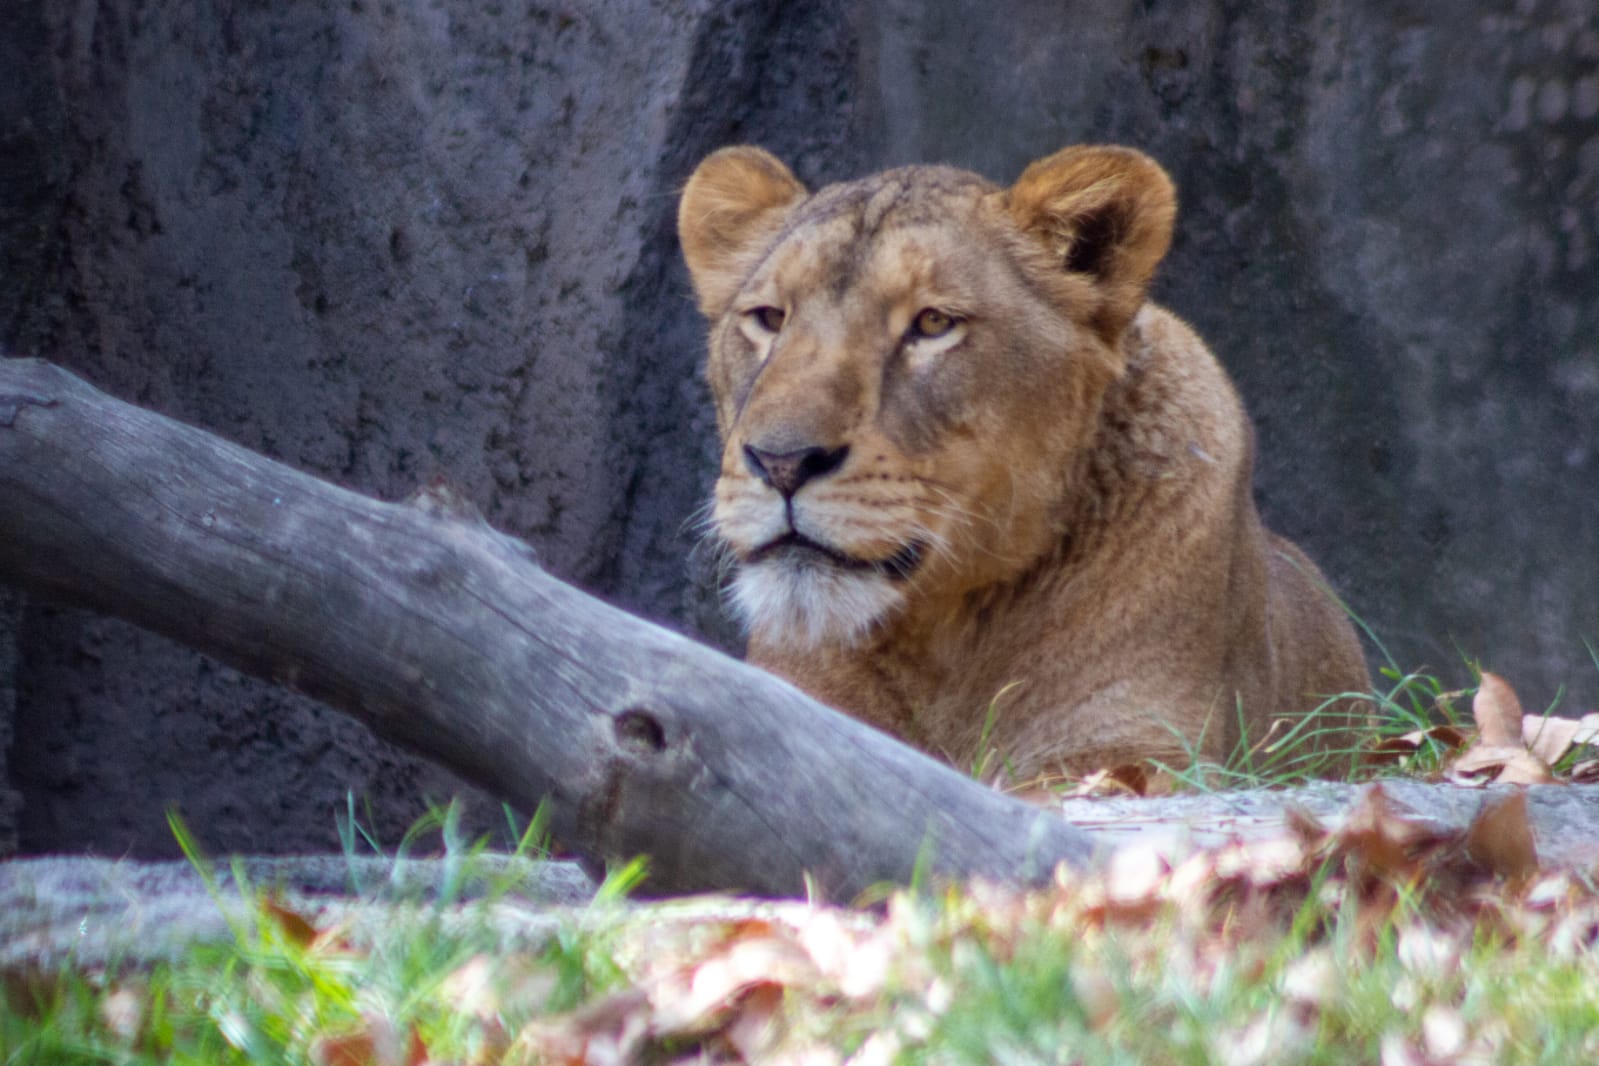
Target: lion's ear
(733, 205)
(1106, 212)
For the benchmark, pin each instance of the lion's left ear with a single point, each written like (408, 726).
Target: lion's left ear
(1103, 211)
(733, 205)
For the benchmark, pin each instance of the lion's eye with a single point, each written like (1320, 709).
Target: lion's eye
(930, 323)
(769, 318)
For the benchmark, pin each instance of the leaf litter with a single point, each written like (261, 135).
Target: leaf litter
(1259, 950)
(728, 981)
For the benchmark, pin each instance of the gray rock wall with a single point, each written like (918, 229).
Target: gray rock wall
(386, 241)
(1388, 233)
(10, 799)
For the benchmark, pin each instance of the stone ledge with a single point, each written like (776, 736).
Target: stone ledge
(91, 912)
(1565, 818)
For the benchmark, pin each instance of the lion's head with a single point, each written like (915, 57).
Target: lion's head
(907, 371)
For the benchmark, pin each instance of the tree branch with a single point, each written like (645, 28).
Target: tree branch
(446, 637)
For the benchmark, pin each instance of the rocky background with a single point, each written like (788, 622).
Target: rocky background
(390, 239)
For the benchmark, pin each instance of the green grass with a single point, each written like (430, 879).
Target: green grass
(274, 992)
(1305, 970)
(979, 981)
(1047, 991)
(269, 999)
(1318, 968)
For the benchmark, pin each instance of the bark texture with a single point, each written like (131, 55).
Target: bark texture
(447, 637)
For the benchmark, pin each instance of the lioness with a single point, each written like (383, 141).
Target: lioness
(965, 461)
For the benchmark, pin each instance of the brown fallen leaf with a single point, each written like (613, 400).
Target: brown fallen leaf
(295, 927)
(755, 1030)
(1551, 738)
(1589, 734)
(1527, 769)
(1390, 750)
(379, 1042)
(1500, 837)
(1586, 772)
(607, 1032)
(1497, 711)
(1503, 764)
(349, 1049)
(846, 955)
(695, 1000)
(1378, 837)
(1133, 879)
(1264, 863)
(1304, 826)
(1452, 737)
(300, 931)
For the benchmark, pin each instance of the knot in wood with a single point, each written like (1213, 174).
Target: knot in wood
(640, 731)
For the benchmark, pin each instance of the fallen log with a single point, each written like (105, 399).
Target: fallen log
(446, 637)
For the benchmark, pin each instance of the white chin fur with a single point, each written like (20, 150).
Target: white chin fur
(807, 605)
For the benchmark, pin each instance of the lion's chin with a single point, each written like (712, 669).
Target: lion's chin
(806, 603)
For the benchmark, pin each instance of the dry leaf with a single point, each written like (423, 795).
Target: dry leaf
(484, 988)
(1548, 738)
(607, 1032)
(1551, 738)
(351, 1049)
(1498, 712)
(1585, 773)
(470, 988)
(691, 1002)
(1263, 863)
(378, 1043)
(754, 1032)
(1552, 890)
(1304, 826)
(1500, 837)
(1376, 834)
(295, 927)
(1427, 951)
(1133, 880)
(857, 963)
(1390, 750)
(1506, 765)
(1452, 737)
(1527, 769)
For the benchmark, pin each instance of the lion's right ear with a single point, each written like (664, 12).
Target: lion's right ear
(733, 205)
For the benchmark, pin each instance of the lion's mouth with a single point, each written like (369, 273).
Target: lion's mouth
(897, 567)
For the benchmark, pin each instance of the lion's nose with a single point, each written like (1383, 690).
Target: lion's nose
(788, 471)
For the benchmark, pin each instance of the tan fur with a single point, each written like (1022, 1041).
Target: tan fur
(1047, 504)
